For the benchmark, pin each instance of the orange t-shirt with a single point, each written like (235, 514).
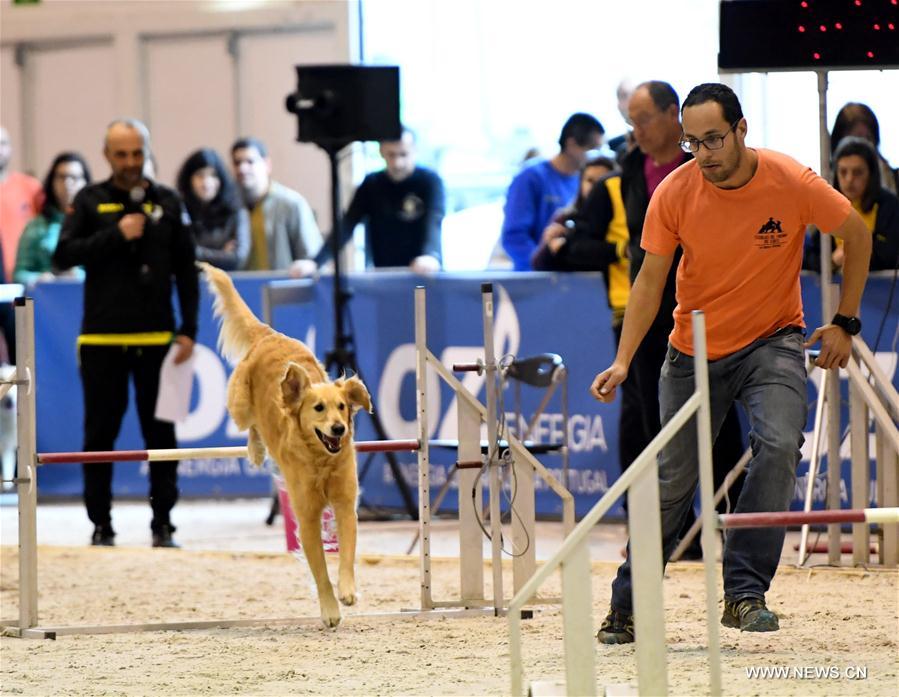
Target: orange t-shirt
(742, 247)
(20, 200)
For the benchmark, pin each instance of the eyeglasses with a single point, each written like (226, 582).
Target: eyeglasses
(715, 142)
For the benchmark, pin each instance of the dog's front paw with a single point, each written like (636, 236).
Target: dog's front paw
(330, 613)
(256, 453)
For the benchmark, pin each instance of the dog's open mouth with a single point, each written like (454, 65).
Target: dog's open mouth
(331, 443)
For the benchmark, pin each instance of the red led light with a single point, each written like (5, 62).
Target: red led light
(858, 3)
(870, 54)
(801, 29)
(876, 27)
(816, 56)
(838, 26)
(822, 28)
(803, 3)
(891, 26)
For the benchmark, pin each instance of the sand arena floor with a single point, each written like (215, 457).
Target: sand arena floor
(832, 620)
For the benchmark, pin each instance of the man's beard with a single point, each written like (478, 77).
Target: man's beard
(723, 172)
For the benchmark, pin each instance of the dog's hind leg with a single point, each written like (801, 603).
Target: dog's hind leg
(345, 514)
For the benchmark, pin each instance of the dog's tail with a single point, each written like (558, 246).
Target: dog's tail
(240, 327)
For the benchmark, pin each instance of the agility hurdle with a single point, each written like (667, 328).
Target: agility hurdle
(470, 464)
(641, 480)
(471, 601)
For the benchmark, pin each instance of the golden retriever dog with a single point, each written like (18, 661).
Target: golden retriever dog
(281, 395)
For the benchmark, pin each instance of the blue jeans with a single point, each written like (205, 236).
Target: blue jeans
(768, 378)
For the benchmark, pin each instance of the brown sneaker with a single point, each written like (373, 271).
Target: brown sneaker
(617, 628)
(749, 615)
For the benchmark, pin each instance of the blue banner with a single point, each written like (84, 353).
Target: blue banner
(534, 313)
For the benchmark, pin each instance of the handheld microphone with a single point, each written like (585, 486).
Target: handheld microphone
(137, 195)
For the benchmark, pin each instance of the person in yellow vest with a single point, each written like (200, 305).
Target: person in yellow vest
(283, 231)
(132, 236)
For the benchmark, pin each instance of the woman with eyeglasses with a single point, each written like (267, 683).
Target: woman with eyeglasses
(34, 258)
(221, 224)
(856, 175)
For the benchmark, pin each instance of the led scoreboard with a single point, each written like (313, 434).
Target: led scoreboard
(770, 35)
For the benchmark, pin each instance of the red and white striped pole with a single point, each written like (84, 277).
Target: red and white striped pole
(769, 520)
(369, 446)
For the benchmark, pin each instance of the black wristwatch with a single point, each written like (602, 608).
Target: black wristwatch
(850, 325)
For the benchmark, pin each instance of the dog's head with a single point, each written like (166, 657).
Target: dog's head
(323, 410)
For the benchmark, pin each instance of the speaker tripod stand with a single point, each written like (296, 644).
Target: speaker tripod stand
(342, 357)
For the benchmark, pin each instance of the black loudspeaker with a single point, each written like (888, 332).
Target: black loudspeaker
(771, 35)
(340, 104)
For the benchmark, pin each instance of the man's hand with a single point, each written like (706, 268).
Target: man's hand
(604, 384)
(185, 348)
(425, 264)
(553, 231)
(836, 345)
(302, 268)
(132, 226)
(838, 256)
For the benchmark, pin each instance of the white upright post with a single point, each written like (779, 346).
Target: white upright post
(424, 463)
(27, 463)
(861, 471)
(834, 459)
(524, 530)
(492, 449)
(813, 463)
(645, 525)
(579, 643)
(888, 495)
(471, 505)
(706, 496)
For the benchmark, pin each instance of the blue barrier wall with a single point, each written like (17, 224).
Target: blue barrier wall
(535, 313)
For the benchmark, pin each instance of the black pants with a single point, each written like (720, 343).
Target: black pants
(644, 373)
(105, 371)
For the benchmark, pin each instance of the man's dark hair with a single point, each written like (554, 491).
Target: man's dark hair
(250, 142)
(580, 126)
(662, 94)
(50, 203)
(718, 93)
(404, 129)
(852, 114)
(854, 145)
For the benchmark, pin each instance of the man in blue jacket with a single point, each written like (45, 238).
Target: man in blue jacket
(541, 189)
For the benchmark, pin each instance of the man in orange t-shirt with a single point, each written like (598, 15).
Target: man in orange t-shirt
(740, 216)
(20, 200)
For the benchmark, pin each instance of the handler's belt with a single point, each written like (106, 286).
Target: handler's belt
(136, 339)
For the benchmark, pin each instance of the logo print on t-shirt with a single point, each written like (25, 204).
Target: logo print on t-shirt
(411, 208)
(770, 234)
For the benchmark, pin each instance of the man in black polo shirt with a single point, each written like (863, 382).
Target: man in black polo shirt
(402, 208)
(133, 239)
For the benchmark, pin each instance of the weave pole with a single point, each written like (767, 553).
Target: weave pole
(770, 520)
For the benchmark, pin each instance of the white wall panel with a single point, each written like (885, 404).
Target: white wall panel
(72, 99)
(190, 101)
(266, 77)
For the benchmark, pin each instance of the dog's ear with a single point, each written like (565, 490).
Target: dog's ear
(357, 394)
(293, 384)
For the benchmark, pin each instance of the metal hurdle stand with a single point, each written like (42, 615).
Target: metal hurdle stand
(641, 483)
(470, 463)
(472, 413)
